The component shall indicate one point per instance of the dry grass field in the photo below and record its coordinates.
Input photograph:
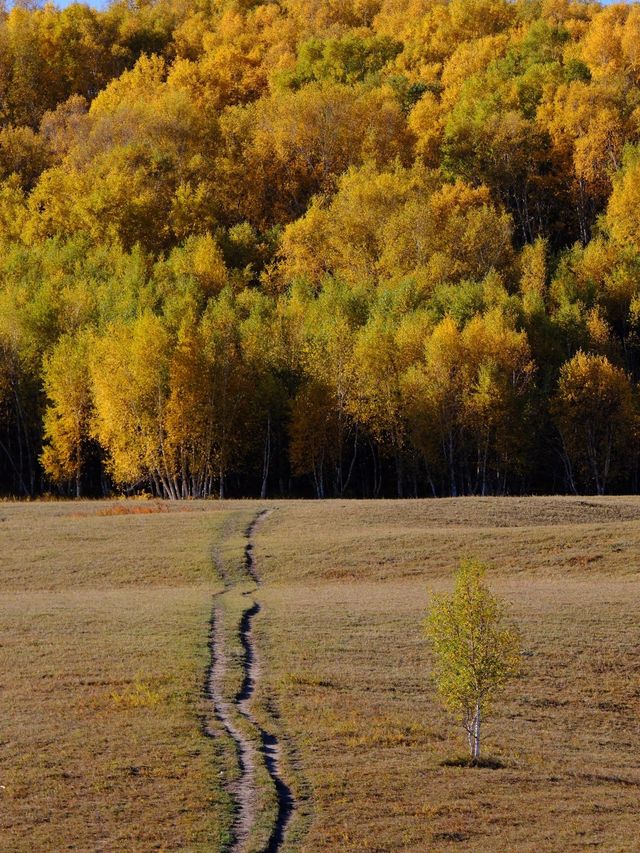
(346, 589)
(103, 643)
(103, 650)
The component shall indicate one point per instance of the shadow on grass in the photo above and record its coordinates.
(487, 763)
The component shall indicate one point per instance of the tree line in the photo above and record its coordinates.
(367, 248)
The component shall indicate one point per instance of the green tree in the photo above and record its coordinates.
(475, 651)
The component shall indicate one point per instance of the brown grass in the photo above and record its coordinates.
(134, 509)
(349, 672)
(103, 651)
(103, 654)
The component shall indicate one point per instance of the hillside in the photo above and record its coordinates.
(359, 248)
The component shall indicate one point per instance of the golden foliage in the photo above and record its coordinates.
(356, 240)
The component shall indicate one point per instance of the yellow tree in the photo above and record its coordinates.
(392, 223)
(209, 412)
(594, 411)
(433, 394)
(344, 236)
(129, 368)
(265, 365)
(623, 211)
(426, 122)
(188, 418)
(533, 276)
(476, 652)
(68, 413)
(377, 401)
(138, 169)
(228, 382)
(322, 424)
(314, 433)
(589, 124)
(501, 372)
(455, 233)
(296, 144)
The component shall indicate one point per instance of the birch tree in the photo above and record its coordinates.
(475, 651)
(129, 369)
(67, 416)
(594, 411)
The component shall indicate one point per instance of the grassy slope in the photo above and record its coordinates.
(347, 587)
(103, 648)
(103, 622)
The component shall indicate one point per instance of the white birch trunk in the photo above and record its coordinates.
(476, 734)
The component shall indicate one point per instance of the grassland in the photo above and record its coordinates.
(104, 616)
(104, 613)
(346, 590)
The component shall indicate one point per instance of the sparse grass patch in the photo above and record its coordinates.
(130, 508)
(139, 695)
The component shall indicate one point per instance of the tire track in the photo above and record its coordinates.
(270, 745)
(249, 558)
(244, 791)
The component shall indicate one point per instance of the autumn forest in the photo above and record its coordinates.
(320, 247)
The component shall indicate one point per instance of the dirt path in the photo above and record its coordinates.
(271, 748)
(244, 791)
(250, 560)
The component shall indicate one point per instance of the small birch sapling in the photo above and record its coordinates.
(475, 652)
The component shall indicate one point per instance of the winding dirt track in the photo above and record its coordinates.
(244, 791)
(270, 746)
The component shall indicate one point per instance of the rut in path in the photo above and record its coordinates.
(270, 746)
(249, 559)
(244, 791)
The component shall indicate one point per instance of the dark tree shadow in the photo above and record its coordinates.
(488, 763)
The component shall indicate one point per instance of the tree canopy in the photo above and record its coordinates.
(475, 651)
(374, 247)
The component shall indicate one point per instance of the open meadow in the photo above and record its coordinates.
(103, 652)
(132, 631)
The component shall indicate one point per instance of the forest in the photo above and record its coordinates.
(346, 248)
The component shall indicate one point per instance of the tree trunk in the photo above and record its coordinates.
(432, 485)
(475, 735)
(484, 466)
(318, 476)
(453, 491)
(377, 480)
(266, 459)
(345, 484)
(399, 474)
